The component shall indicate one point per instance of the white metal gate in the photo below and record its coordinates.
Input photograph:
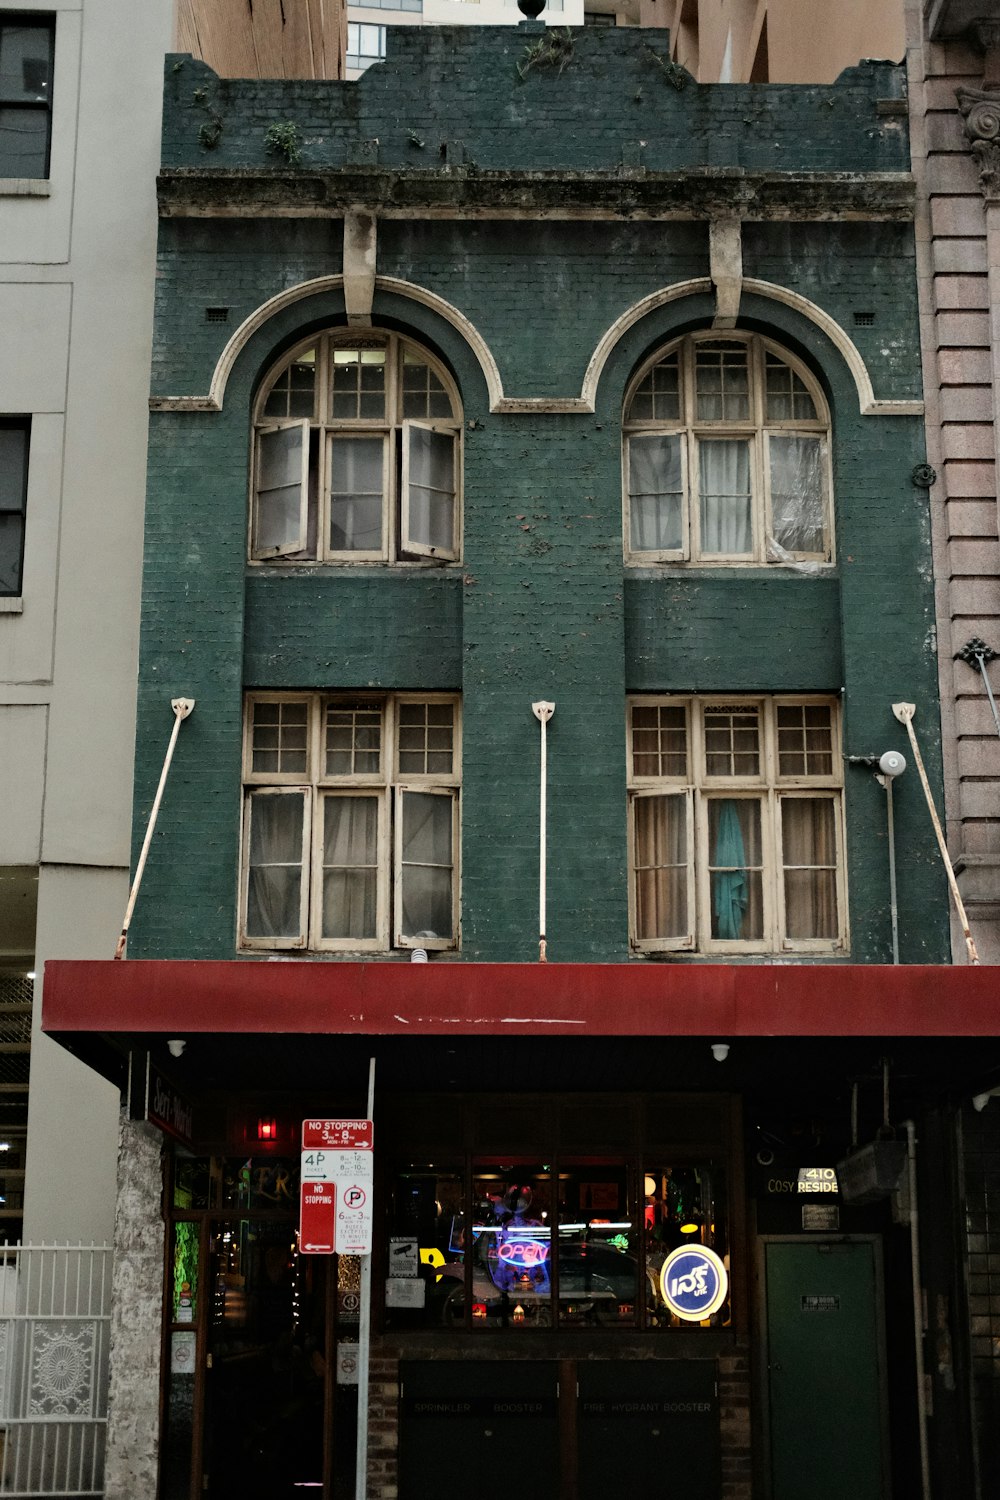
(55, 1307)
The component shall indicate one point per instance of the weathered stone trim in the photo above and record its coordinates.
(469, 193)
(725, 249)
(136, 1314)
(360, 250)
(981, 112)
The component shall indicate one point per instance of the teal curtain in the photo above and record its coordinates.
(730, 895)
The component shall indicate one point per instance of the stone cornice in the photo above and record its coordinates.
(468, 193)
(981, 112)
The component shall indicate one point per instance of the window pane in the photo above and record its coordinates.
(293, 393)
(661, 867)
(25, 63)
(274, 886)
(597, 1245)
(657, 397)
(279, 489)
(24, 142)
(356, 495)
(11, 553)
(426, 739)
(353, 739)
(427, 1204)
(734, 862)
(350, 867)
(683, 1205)
(279, 738)
(724, 482)
(424, 396)
(732, 741)
(805, 740)
(809, 848)
(659, 740)
(656, 501)
(426, 875)
(722, 382)
(432, 488)
(359, 374)
(787, 399)
(511, 1246)
(797, 492)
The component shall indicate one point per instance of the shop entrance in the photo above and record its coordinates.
(825, 1370)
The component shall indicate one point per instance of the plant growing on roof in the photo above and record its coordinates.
(673, 72)
(553, 50)
(210, 131)
(282, 139)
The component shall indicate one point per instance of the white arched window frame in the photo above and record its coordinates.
(357, 455)
(726, 456)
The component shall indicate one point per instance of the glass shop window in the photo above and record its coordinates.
(682, 1206)
(425, 1271)
(597, 1253)
(511, 1246)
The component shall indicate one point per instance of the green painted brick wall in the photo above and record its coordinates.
(540, 605)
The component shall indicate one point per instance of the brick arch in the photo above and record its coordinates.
(869, 404)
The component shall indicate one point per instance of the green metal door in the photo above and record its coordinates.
(825, 1386)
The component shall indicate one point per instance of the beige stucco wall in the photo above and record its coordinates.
(958, 247)
(76, 284)
(808, 41)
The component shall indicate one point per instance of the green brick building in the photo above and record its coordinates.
(525, 371)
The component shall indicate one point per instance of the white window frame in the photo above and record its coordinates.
(395, 547)
(263, 431)
(387, 784)
(771, 789)
(756, 429)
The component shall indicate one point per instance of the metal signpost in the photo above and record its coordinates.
(335, 1217)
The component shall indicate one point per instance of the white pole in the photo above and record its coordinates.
(893, 907)
(904, 713)
(543, 712)
(364, 1339)
(182, 708)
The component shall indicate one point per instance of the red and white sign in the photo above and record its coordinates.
(348, 1171)
(317, 1218)
(357, 1135)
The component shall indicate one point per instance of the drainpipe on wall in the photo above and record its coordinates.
(182, 708)
(918, 1307)
(543, 712)
(904, 713)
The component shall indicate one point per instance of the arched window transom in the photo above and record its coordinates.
(357, 455)
(726, 456)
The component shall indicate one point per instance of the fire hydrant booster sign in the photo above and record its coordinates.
(693, 1282)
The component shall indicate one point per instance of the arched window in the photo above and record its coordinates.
(726, 456)
(357, 454)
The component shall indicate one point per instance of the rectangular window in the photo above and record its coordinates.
(365, 44)
(26, 51)
(15, 433)
(350, 836)
(736, 825)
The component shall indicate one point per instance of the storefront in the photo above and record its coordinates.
(529, 1192)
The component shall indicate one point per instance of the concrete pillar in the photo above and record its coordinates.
(136, 1312)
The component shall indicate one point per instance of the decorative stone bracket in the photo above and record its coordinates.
(981, 112)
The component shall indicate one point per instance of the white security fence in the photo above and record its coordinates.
(55, 1311)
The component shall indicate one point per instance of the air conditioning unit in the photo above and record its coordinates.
(871, 1172)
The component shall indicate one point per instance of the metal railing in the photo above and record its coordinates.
(55, 1307)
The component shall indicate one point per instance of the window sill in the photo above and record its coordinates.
(12, 605)
(25, 187)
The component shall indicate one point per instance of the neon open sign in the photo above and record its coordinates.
(523, 1253)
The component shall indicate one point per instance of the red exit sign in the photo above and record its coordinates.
(350, 1135)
